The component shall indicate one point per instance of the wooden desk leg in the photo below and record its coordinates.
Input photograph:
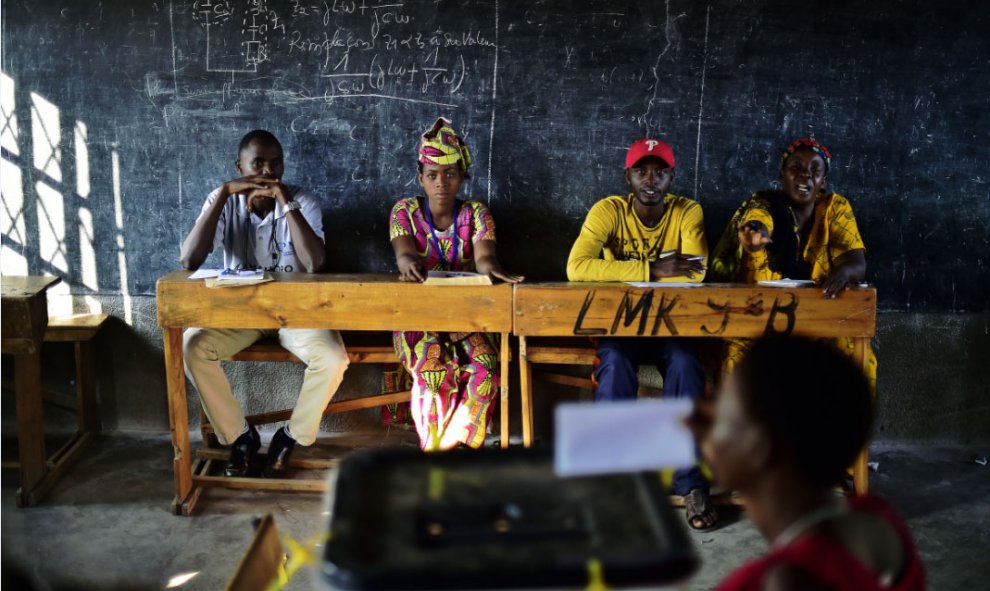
(861, 471)
(178, 416)
(526, 393)
(504, 390)
(89, 415)
(30, 425)
(210, 440)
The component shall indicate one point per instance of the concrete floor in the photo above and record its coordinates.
(107, 524)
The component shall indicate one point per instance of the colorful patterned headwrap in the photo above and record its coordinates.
(807, 143)
(441, 146)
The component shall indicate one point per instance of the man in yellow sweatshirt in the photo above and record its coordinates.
(648, 235)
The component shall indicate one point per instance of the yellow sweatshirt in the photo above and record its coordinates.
(614, 245)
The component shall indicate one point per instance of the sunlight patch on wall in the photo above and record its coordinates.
(87, 254)
(118, 209)
(8, 115)
(87, 258)
(46, 137)
(12, 262)
(80, 137)
(51, 237)
(51, 226)
(12, 218)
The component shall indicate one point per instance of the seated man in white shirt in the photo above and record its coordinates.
(259, 222)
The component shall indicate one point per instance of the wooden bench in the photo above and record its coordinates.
(568, 352)
(559, 351)
(270, 350)
(79, 330)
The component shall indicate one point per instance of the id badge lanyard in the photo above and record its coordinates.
(436, 243)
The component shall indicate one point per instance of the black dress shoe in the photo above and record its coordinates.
(242, 453)
(279, 451)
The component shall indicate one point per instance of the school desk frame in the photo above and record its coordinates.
(330, 301)
(24, 316)
(706, 311)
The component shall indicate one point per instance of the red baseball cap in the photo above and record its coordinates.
(649, 147)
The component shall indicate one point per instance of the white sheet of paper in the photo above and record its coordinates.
(787, 282)
(626, 436)
(204, 273)
(662, 284)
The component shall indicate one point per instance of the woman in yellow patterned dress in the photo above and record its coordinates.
(801, 231)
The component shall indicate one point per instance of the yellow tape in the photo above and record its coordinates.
(596, 576)
(435, 484)
(299, 555)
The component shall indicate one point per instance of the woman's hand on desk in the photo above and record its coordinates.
(486, 263)
(506, 277)
(411, 268)
(850, 268)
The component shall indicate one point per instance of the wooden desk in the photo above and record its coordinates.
(711, 310)
(297, 300)
(24, 318)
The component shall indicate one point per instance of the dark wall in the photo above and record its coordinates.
(548, 94)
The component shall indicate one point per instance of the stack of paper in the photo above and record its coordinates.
(233, 278)
(456, 278)
(663, 284)
(787, 282)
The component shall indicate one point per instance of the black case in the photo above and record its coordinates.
(496, 519)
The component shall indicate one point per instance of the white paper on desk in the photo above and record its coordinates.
(625, 436)
(656, 284)
(787, 282)
(204, 273)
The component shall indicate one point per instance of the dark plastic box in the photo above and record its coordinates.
(496, 519)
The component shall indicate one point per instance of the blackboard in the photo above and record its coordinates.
(120, 116)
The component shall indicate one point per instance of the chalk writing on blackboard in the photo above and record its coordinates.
(347, 49)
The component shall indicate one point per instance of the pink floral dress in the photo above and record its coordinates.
(455, 375)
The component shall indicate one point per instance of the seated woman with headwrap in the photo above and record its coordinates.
(798, 232)
(455, 375)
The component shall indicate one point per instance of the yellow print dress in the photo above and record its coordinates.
(833, 233)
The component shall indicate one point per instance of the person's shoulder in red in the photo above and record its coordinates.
(821, 561)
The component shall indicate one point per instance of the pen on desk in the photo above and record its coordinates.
(246, 271)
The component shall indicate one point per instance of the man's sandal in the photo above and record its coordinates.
(701, 514)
